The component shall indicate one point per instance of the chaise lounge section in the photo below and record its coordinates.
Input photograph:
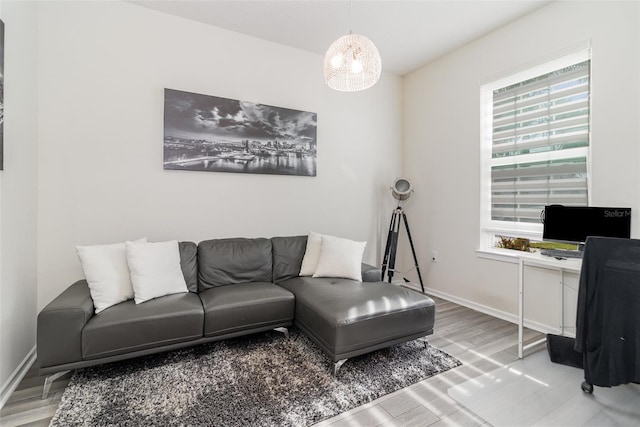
(347, 318)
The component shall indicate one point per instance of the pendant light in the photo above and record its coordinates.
(352, 63)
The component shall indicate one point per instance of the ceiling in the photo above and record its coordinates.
(408, 34)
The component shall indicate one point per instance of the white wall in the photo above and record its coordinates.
(441, 136)
(18, 192)
(102, 70)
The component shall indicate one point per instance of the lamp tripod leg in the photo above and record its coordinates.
(393, 250)
(385, 260)
(413, 251)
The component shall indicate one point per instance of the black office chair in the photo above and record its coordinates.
(608, 314)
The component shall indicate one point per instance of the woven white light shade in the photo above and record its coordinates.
(352, 63)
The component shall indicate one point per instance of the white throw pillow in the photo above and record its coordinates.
(155, 269)
(311, 254)
(340, 258)
(107, 273)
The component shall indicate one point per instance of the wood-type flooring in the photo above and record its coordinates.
(482, 342)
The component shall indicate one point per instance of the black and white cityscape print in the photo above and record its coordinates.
(209, 133)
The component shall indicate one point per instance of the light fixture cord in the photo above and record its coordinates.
(350, 12)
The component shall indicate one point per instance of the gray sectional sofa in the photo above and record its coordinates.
(236, 287)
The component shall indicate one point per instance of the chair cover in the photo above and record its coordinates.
(608, 314)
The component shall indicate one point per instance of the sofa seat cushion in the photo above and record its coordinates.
(259, 306)
(127, 327)
(347, 318)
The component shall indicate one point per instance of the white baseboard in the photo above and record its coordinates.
(16, 376)
(512, 318)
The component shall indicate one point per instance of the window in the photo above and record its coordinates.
(535, 146)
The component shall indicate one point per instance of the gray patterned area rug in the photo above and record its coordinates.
(259, 380)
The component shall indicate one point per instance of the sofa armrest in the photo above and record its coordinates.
(60, 326)
(371, 273)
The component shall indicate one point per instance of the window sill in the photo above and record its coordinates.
(504, 255)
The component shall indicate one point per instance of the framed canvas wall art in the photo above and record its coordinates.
(213, 134)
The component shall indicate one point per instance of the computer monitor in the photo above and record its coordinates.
(573, 224)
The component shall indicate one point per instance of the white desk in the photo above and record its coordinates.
(570, 265)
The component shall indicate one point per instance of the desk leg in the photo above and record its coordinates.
(520, 308)
(562, 302)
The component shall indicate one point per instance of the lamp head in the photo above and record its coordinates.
(401, 189)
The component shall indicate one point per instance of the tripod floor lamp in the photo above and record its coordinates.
(401, 190)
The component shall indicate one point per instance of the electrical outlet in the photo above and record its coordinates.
(434, 256)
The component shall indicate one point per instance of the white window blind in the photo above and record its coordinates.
(539, 144)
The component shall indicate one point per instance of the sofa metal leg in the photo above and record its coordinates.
(337, 365)
(49, 380)
(283, 330)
